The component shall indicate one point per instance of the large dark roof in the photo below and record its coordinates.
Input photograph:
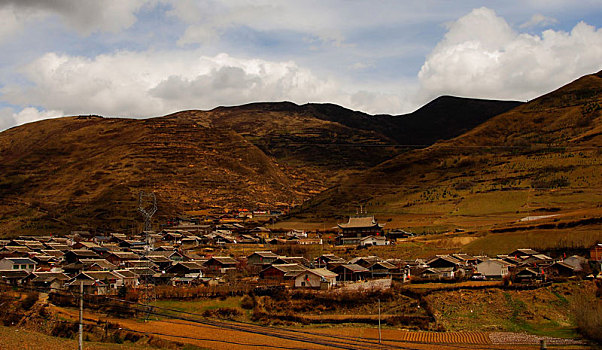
(361, 222)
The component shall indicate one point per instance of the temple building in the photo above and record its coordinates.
(357, 228)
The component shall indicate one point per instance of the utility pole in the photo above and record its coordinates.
(81, 315)
(379, 335)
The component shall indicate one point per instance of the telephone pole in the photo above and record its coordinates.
(379, 335)
(81, 315)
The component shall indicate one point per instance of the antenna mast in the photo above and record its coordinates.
(147, 212)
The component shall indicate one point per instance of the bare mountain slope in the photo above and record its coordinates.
(85, 172)
(541, 157)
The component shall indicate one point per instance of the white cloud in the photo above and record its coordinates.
(8, 117)
(85, 16)
(539, 20)
(481, 56)
(209, 19)
(9, 24)
(139, 84)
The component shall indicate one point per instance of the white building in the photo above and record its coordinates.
(18, 264)
(493, 268)
(373, 240)
(316, 278)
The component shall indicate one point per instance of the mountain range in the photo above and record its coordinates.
(441, 162)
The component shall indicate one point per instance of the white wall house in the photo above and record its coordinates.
(373, 240)
(316, 278)
(25, 264)
(493, 268)
(576, 262)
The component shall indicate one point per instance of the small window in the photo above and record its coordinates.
(15, 267)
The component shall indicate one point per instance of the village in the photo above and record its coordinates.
(182, 255)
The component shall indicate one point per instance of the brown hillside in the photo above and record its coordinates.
(540, 158)
(85, 172)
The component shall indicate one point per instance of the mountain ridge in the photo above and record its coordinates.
(85, 171)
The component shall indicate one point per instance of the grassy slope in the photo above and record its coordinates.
(546, 311)
(539, 158)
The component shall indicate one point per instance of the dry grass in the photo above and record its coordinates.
(19, 338)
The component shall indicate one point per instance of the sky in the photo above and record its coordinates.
(145, 58)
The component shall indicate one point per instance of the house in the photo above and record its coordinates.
(141, 263)
(223, 238)
(15, 250)
(84, 245)
(53, 252)
(595, 252)
(537, 259)
(97, 265)
(527, 275)
(73, 256)
(396, 234)
(561, 269)
(34, 245)
(444, 261)
(351, 272)
(221, 264)
(191, 240)
(365, 261)
(261, 258)
(523, 253)
(170, 254)
(248, 239)
(316, 278)
(292, 260)
(90, 285)
(358, 227)
(576, 261)
(130, 279)
(382, 269)
(369, 241)
(161, 261)
(58, 246)
(45, 262)
(14, 277)
(493, 268)
(174, 237)
(261, 232)
(119, 258)
(109, 278)
(465, 259)
(25, 264)
(49, 280)
(186, 269)
(308, 241)
(329, 261)
(437, 273)
(280, 273)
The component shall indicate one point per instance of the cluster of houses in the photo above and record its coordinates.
(104, 264)
(521, 265)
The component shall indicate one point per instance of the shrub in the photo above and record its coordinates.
(587, 310)
(247, 302)
(30, 299)
(223, 312)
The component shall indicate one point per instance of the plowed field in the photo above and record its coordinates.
(223, 335)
